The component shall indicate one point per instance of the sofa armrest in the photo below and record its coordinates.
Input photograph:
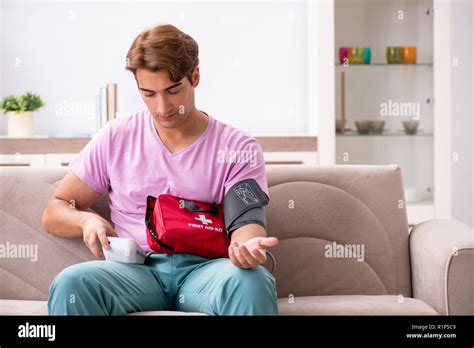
(442, 265)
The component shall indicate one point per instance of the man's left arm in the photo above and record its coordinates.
(245, 198)
(247, 232)
(248, 246)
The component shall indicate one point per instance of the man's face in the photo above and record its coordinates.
(169, 102)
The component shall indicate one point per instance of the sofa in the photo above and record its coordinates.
(345, 245)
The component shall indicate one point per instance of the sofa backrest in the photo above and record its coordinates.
(326, 217)
(24, 194)
(310, 208)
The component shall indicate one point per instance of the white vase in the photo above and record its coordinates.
(20, 125)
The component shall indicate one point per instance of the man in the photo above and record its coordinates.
(174, 148)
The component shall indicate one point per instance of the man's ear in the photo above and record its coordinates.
(195, 75)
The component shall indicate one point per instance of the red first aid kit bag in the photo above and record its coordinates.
(179, 225)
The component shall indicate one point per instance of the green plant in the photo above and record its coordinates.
(26, 102)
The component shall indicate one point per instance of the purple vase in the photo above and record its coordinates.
(343, 54)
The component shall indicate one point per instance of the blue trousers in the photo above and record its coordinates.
(180, 282)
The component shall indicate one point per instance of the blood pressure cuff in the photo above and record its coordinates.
(244, 204)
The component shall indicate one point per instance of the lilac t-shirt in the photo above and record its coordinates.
(128, 159)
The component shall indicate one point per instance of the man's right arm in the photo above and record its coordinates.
(66, 215)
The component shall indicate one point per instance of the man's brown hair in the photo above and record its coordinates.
(164, 47)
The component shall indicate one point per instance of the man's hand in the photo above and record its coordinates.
(251, 253)
(95, 231)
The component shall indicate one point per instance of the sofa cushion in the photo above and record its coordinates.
(308, 305)
(354, 305)
(25, 307)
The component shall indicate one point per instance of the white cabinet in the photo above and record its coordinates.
(23, 160)
(37, 160)
(59, 159)
(63, 159)
(291, 157)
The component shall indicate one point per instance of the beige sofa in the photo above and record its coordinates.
(344, 249)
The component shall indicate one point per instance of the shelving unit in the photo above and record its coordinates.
(370, 90)
(352, 66)
(353, 133)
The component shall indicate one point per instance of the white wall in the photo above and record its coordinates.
(442, 109)
(454, 110)
(462, 111)
(321, 71)
(254, 59)
(1, 59)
